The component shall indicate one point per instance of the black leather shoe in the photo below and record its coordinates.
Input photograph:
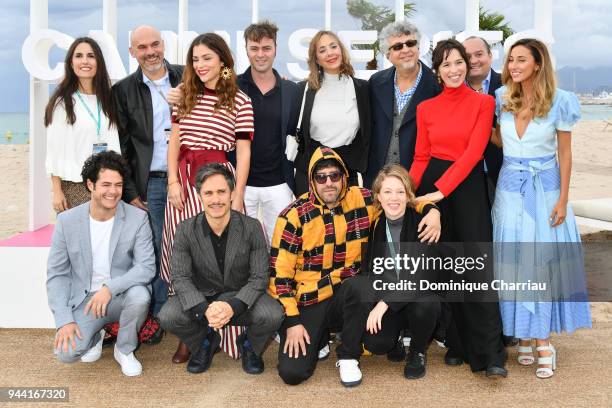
(495, 371)
(398, 353)
(251, 362)
(155, 338)
(415, 365)
(452, 358)
(200, 360)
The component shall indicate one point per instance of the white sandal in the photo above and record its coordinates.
(525, 359)
(546, 372)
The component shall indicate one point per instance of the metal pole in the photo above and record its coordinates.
(254, 11)
(183, 23)
(399, 10)
(109, 18)
(39, 206)
(472, 12)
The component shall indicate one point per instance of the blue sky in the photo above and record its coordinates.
(582, 28)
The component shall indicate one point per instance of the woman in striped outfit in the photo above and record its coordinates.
(214, 118)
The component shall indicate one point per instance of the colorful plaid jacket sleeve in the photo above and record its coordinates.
(286, 243)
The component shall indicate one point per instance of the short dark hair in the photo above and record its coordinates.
(485, 42)
(108, 160)
(256, 32)
(443, 48)
(212, 169)
(325, 163)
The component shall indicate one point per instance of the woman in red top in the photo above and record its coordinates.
(453, 130)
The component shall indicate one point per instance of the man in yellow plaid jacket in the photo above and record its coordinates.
(316, 247)
(315, 255)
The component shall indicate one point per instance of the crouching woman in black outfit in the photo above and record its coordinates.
(401, 220)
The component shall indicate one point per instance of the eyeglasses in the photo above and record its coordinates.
(398, 46)
(322, 178)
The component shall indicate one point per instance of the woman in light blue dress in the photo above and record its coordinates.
(531, 206)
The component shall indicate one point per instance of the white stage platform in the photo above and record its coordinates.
(23, 272)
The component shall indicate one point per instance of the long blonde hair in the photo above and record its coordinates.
(399, 172)
(544, 82)
(316, 72)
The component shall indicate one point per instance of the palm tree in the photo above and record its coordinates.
(374, 17)
(492, 21)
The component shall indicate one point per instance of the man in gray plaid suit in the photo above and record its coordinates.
(219, 271)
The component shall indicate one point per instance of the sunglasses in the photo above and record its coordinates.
(322, 178)
(398, 46)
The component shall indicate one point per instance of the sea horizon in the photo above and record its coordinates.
(14, 126)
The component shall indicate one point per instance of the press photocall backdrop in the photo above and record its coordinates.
(42, 42)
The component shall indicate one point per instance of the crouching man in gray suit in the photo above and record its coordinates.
(219, 271)
(100, 264)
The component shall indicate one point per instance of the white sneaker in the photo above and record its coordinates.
(94, 353)
(324, 352)
(350, 374)
(129, 365)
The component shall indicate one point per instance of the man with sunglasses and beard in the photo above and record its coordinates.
(315, 255)
(395, 93)
(314, 259)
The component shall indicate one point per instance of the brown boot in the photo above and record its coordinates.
(182, 353)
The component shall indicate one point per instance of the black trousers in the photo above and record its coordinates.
(421, 317)
(263, 319)
(475, 328)
(345, 310)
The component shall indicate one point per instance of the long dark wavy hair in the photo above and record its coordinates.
(226, 89)
(70, 83)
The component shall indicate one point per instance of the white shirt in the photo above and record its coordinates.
(68, 146)
(334, 120)
(100, 232)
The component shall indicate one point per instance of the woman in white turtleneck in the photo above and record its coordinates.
(336, 109)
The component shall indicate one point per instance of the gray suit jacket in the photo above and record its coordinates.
(70, 263)
(194, 270)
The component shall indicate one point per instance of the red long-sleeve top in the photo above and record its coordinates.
(454, 126)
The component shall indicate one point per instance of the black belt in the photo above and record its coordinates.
(158, 174)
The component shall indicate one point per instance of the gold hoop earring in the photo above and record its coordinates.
(226, 73)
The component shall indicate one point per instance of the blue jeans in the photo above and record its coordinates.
(157, 192)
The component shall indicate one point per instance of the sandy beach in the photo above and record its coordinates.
(591, 174)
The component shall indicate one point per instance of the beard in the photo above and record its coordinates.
(408, 66)
(153, 67)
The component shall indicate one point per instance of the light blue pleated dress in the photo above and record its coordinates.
(527, 191)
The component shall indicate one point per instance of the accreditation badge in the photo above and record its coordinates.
(99, 147)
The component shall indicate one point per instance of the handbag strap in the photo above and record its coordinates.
(299, 124)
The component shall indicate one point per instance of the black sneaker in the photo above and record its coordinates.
(251, 362)
(398, 353)
(415, 365)
(201, 360)
(452, 358)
